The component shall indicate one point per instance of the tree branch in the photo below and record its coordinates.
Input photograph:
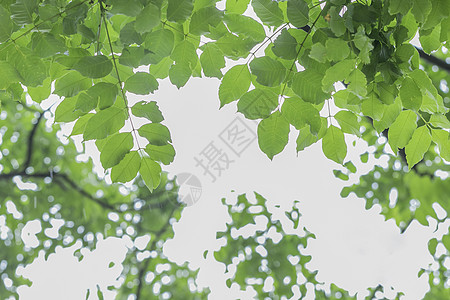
(433, 60)
(31, 143)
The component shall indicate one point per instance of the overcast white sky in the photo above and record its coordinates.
(355, 248)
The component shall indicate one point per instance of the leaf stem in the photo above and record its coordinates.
(252, 54)
(102, 12)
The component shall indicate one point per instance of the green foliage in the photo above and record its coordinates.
(85, 51)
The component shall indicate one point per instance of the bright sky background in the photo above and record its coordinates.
(355, 248)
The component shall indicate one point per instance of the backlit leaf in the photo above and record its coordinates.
(273, 134)
(104, 123)
(127, 169)
(148, 110)
(164, 153)
(268, 11)
(71, 84)
(258, 103)
(402, 129)
(141, 83)
(298, 13)
(93, 66)
(417, 146)
(299, 113)
(115, 149)
(179, 10)
(150, 172)
(234, 84)
(333, 145)
(157, 134)
(268, 71)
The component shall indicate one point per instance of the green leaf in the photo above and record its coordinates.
(85, 102)
(75, 54)
(305, 138)
(235, 83)
(115, 149)
(148, 18)
(71, 84)
(164, 153)
(298, 13)
(399, 6)
(65, 112)
(373, 107)
(132, 56)
(268, 72)
(212, 60)
(417, 146)
(185, 53)
(442, 139)
(273, 134)
(245, 27)
(308, 85)
(40, 93)
(94, 66)
(402, 129)
(150, 172)
(337, 72)
(285, 46)
(439, 120)
(8, 75)
(348, 122)
(337, 49)
(80, 125)
(364, 44)
(129, 8)
(269, 12)
(179, 10)
(202, 19)
(391, 113)
(258, 103)
(318, 52)
(160, 43)
(161, 69)
(31, 68)
(421, 10)
(141, 83)
(179, 74)
(127, 169)
(6, 26)
(334, 146)
(156, 134)
(337, 24)
(350, 166)
(46, 44)
(235, 47)
(22, 11)
(129, 36)
(299, 113)
(410, 94)
(148, 110)
(106, 93)
(236, 6)
(104, 123)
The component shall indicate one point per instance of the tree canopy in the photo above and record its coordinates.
(285, 67)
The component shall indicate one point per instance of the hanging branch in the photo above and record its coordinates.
(30, 143)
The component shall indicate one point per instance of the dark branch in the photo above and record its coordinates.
(434, 60)
(30, 144)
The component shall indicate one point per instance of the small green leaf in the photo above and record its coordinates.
(148, 110)
(337, 49)
(185, 53)
(71, 84)
(258, 103)
(179, 10)
(65, 112)
(45, 44)
(273, 134)
(106, 93)
(150, 172)
(373, 107)
(391, 112)
(22, 11)
(212, 60)
(337, 23)
(94, 66)
(350, 166)
(202, 19)
(85, 102)
(305, 138)
(268, 72)
(442, 139)
(164, 153)
(337, 72)
(245, 27)
(399, 6)
(357, 83)
(127, 169)
(348, 122)
(410, 94)
(148, 18)
(439, 120)
(179, 74)
(237, 6)
(334, 146)
(308, 85)
(104, 123)
(285, 46)
(161, 69)
(160, 43)
(40, 93)
(268, 11)
(318, 52)
(298, 13)
(115, 149)
(299, 113)
(141, 83)
(417, 146)
(235, 83)
(155, 133)
(402, 129)
(80, 125)
(129, 8)
(6, 26)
